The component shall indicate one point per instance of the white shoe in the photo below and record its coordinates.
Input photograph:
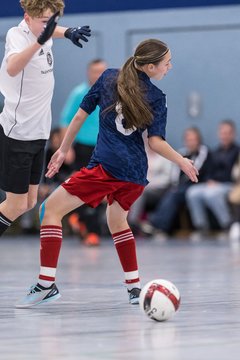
(38, 295)
(161, 236)
(147, 228)
(196, 236)
(234, 232)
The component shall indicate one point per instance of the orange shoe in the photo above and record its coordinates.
(92, 239)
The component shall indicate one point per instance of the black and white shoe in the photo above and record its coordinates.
(134, 296)
(38, 295)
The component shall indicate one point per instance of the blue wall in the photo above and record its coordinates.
(12, 8)
(205, 54)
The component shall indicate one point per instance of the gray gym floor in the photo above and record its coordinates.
(93, 319)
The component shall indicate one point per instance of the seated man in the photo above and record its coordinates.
(161, 221)
(159, 177)
(212, 194)
(234, 200)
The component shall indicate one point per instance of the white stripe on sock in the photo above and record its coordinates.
(131, 275)
(51, 232)
(120, 241)
(45, 283)
(134, 285)
(128, 236)
(122, 236)
(48, 236)
(5, 222)
(48, 271)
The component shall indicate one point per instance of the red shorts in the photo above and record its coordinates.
(93, 185)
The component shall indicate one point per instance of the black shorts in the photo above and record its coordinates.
(21, 163)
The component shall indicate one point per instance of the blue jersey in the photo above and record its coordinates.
(121, 151)
(89, 131)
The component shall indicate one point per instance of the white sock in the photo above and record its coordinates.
(45, 283)
(133, 285)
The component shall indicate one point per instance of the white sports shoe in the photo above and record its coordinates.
(37, 295)
(234, 232)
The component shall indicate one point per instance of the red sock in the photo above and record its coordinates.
(125, 244)
(51, 241)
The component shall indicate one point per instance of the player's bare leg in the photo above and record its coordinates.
(58, 204)
(116, 218)
(15, 205)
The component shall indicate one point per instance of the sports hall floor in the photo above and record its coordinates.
(93, 319)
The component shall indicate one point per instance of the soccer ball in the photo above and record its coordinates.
(159, 299)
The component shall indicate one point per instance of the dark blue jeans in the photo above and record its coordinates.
(165, 213)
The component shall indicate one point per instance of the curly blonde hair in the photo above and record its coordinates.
(36, 8)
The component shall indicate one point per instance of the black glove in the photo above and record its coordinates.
(48, 29)
(78, 33)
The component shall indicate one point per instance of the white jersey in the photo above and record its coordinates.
(27, 107)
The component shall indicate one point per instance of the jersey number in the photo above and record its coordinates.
(119, 122)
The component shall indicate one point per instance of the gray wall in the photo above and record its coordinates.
(205, 56)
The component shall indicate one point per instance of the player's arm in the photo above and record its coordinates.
(17, 62)
(161, 147)
(59, 156)
(59, 32)
(72, 130)
(75, 34)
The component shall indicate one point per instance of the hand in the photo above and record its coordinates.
(55, 163)
(187, 166)
(212, 183)
(48, 29)
(78, 33)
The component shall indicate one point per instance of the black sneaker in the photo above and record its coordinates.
(134, 296)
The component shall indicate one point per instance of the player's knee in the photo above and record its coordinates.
(110, 221)
(42, 211)
(193, 195)
(117, 226)
(20, 209)
(46, 212)
(31, 204)
(212, 198)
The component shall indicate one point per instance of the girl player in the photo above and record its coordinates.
(129, 104)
